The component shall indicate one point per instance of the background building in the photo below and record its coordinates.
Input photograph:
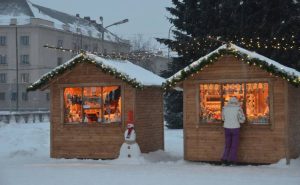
(24, 29)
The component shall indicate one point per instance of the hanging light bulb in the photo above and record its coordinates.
(241, 89)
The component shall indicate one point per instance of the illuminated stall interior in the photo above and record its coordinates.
(253, 97)
(101, 104)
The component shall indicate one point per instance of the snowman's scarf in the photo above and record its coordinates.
(129, 132)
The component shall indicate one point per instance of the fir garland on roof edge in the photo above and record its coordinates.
(272, 69)
(83, 59)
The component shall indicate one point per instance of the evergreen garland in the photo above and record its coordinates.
(272, 69)
(84, 59)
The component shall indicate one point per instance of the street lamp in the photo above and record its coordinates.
(103, 29)
(14, 23)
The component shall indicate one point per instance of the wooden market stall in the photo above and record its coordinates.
(269, 96)
(90, 101)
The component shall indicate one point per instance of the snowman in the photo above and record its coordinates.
(130, 149)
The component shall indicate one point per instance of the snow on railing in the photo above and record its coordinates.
(24, 117)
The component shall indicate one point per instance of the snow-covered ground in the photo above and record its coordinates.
(24, 160)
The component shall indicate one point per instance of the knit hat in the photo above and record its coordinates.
(233, 101)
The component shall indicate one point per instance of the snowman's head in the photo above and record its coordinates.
(130, 125)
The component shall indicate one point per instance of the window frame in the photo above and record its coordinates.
(3, 78)
(24, 40)
(83, 85)
(234, 81)
(60, 43)
(2, 96)
(25, 96)
(23, 61)
(14, 96)
(25, 78)
(3, 40)
(3, 60)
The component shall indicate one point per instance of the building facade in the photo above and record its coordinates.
(23, 57)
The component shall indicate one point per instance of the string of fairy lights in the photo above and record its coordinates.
(135, 56)
(205, 62)
(194, 44)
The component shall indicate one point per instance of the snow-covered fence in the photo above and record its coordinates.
(24, 117)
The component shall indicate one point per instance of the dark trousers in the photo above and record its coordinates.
(231, 144)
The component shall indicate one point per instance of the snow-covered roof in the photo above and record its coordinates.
(24, 11)
(250, 57)
(134, 75)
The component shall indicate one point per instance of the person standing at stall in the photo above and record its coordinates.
(232, 115)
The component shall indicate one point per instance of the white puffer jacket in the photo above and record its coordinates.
(232, 114)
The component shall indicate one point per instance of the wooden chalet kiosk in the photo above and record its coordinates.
(90, 101)
(269, 96)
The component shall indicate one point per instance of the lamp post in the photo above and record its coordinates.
(169, 33)
(17, 63)
(103, 29)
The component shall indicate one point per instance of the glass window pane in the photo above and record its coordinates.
(73, 104)
(210, 103)
(112, 104)
(233, 89)
(257, 103)
(92, 104)
(92, 97)
(92, 115)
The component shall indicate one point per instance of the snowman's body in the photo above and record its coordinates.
(130, 149)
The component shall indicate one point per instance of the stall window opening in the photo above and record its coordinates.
(101, 104)
(253, 97)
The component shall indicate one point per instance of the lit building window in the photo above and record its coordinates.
(101, 104)
(253, 97)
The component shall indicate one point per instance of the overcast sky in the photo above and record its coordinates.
(147, 17)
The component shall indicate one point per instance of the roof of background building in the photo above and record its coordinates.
(24, 10)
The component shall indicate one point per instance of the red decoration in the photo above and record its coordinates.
(130, 117)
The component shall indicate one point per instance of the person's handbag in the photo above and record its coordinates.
(241, 116)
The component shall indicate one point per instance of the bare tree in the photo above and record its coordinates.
(138, 43)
